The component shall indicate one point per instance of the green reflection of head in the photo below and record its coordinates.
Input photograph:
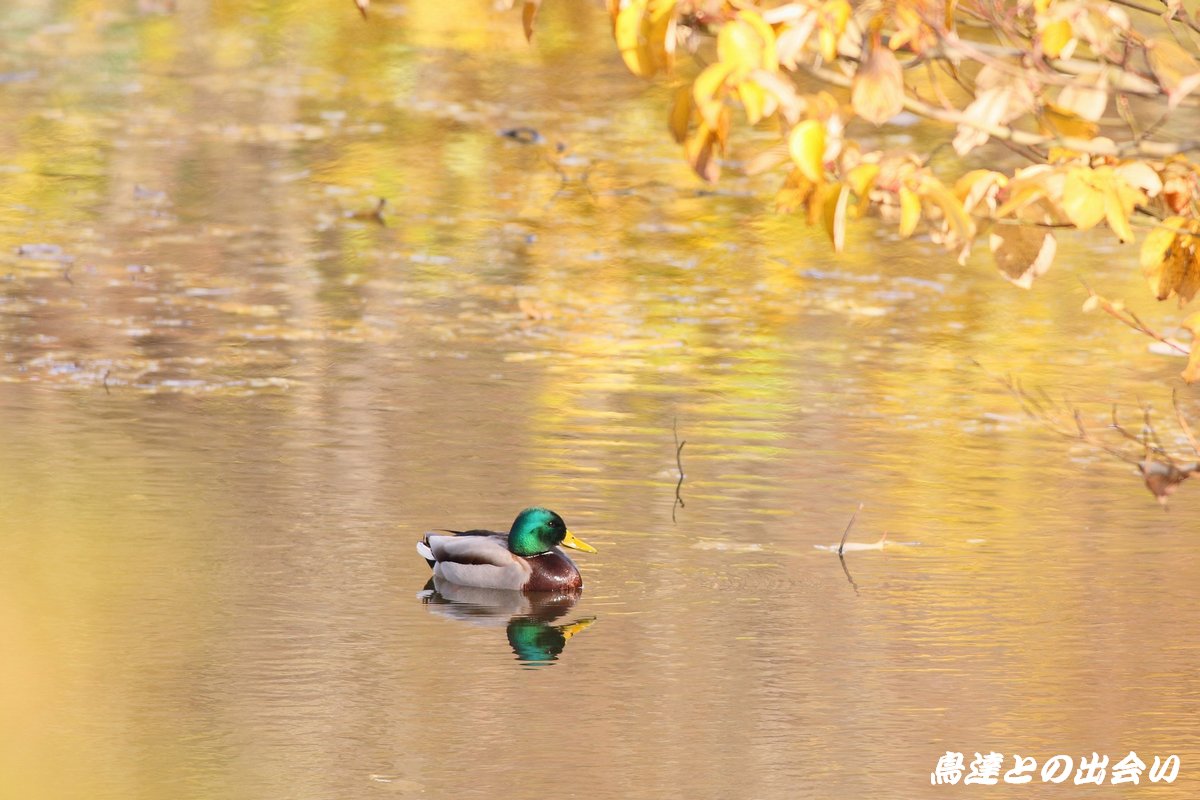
(536, 642)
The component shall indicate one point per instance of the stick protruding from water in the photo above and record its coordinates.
(849, 525)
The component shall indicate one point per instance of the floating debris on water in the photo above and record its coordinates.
(854, 547)
(727, 546)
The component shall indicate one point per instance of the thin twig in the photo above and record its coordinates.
(679, 463)
(1161, 471)
(1096, 147)
(1045, 415)
(1138, 7)
(1144, 438)
(849, 525)
(846, 570)
(1178, 15)
(1132, 320)
(1086, 436)
(1151, 435)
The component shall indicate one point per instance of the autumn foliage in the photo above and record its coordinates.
(1085, 94)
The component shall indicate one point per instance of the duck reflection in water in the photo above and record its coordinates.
(528, 617)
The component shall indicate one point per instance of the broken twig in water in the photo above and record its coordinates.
(375, 214)
(849, 525)
(846, 572)
(679, 463)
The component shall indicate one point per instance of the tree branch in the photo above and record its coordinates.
(1095, 147)
(1131, 320)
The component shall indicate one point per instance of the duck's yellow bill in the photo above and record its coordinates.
(578, 544)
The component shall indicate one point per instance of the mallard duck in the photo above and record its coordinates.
(526, 559)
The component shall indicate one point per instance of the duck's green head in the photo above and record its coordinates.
(540, 530)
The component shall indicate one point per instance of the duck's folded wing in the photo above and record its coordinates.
(477, 560)
(472, 547)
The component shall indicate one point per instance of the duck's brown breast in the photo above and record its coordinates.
(552, 571)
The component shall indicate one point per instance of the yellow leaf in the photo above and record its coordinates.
(1115, 210)
(739, 47)
(991, 107)
(1192, 372)
(878, 93)
(1189, 280)
(529, 10)
(1055, 38)
(630, 39)
(681, 113)
(861, 178)
(769, 49)
(793, 38)
(1120, 200)
(1085, 99)
(827, 43)
(1155, 249)
(1058, 121)
(961, 228)
(1141, 175)
(977, 186)
(832, 24)
(910, 211)
(768, 58)
(724, 120)
(1083, 199)
(1022, 196)
(747, 43)
(823, 105)
(1170, 261)
(658, 26)
(1175, 68)
(1022, 252)
(705, 88)
(807, 147)
(754, 100)
(796, 192)
(700, 152)
(966, 185)
(835, 216)
(1173, 267)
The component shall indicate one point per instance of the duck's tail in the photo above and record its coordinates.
(424, 552)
